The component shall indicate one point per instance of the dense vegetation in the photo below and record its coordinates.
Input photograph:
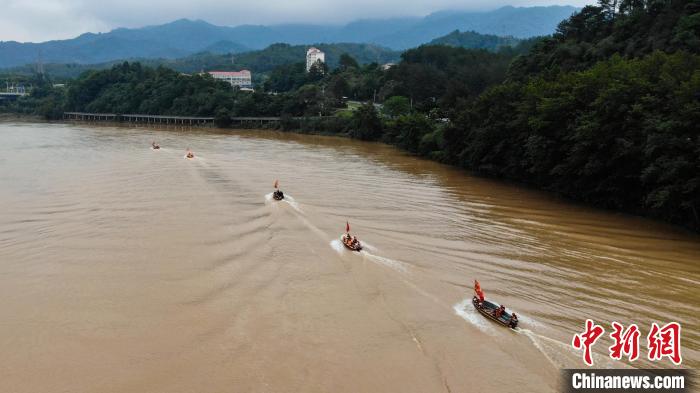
(630, 28)
(605, 111)
(474, 40)
(622, 134)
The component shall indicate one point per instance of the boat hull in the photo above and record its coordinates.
(487, 308)
(349, 247)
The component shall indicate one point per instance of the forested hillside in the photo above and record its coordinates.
(606, 111)
(474, 40)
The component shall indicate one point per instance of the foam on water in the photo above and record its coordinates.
(563, 355)
(467, 312)
(554, 351)
(392, 263)
(559, 354)
(291, 202)
(398, 266)
(337, 245)
(200, 160)
(369, 246)
(529, 321)
(288, 199)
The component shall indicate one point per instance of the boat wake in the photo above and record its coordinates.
(563, 355)
(528, 321)
(391, 263)
(398, 266)
(466, 311)
(288, 199)
(559, 354)
(338, 246)
(291, 202)
(369, 246)
(198, 159)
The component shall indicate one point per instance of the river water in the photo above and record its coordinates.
(125, 269)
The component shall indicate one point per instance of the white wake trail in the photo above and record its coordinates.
(391, 263)
(288, 199)
(466, 311)
(291, 202)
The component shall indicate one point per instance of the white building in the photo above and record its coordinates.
(312, 56)
(241, 79)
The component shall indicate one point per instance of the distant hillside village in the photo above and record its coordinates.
(243, 79)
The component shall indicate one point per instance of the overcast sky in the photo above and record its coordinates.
(41, 20)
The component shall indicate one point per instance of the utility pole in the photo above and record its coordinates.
(323, 100)
(40, 65)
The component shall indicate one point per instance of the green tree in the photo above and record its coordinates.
(223, 118)
(346, 61)
(366, 124)
(317, 71)
(396, 106)
(412, 128)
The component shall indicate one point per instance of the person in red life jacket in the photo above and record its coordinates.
(513, 320)
(499, 311)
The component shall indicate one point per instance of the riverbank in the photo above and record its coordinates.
(391, 132)
(5, 116)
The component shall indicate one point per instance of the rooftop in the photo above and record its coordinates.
(231, 73)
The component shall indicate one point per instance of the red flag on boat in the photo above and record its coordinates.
(277, 183)
(347, 226)
(478, 291)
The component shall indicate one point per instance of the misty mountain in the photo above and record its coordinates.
(185, 37)
(518, 22)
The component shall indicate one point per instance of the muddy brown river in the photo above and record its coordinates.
(124, 269)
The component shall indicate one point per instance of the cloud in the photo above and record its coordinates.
(41, 20)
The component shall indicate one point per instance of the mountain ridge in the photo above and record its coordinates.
(184, 37)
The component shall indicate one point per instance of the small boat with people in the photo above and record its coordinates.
(492, 311)
(277, 195)
(189, 154)
(155, 146)
(350, 241)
